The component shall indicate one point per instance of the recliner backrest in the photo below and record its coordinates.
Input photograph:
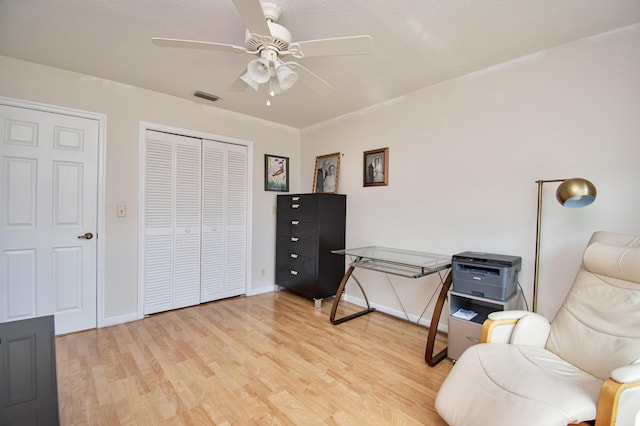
(597, 328)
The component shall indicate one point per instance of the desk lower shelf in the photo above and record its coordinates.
(464, 333)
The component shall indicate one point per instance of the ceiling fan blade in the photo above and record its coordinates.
(193, 44)
(311, 80)
(253, 16)
(356, 45)
(239, 85)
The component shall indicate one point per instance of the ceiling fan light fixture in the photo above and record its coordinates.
(250, 81)
(274, 87)
(286, 77)
(259, 71)
(269, 41)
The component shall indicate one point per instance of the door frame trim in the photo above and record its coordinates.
(144, 126)
(100, 208)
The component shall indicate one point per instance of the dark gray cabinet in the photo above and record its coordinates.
(309, 227)
(28, 386)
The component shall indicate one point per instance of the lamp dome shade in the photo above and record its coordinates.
(576, 193)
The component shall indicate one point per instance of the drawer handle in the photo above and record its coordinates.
(294, 272)
(295, 206)
(294, 239)
(293, 256)
(295, 198)
(295, 222)
(473, 339)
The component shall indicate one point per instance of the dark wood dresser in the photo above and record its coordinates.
(309, 227)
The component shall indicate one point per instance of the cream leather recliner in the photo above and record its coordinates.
(583, 365)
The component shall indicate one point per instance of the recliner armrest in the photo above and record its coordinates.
(628, 373)
(619, 401)
(516, 327)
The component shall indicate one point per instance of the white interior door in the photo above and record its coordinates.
(48, 217)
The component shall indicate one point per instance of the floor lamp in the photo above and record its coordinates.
(572, 193)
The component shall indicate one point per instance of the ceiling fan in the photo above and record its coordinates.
(272, 44)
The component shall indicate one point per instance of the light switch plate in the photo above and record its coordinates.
(121, 211)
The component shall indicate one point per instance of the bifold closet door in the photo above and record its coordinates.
(224, 220)
(172, 209)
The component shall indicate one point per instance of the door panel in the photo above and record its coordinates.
(236, 221)
(187, 223)
(172, 199)
(19, 276)
(67, 193)
(49, 172)
(224, 220)
(19, 198)
(213, 221)
(67, 278)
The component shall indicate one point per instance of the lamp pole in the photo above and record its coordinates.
(536, 264)
(572, 193)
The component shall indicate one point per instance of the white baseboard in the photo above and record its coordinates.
(261, 290)
(120, 319)
(425, 322)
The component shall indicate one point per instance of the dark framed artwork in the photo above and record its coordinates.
(276, 173)
(325, 178)
(376, 167)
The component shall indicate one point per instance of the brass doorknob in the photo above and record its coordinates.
(86, 236)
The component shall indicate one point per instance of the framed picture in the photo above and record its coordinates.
(376, 167)
(276, 173)
(326, 173)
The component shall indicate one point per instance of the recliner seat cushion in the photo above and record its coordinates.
(507, 384)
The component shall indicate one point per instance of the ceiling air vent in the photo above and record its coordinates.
(206, 96)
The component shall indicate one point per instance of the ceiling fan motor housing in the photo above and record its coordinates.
(280, 39)
(272, 11)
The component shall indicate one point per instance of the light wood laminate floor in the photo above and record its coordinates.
(259, 360)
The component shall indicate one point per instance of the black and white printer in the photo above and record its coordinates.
(487, 275)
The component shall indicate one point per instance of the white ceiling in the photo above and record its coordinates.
(416, 43)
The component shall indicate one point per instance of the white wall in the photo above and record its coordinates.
(125, 107)
(465, 155)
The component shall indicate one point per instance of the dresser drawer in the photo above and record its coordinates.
(297, 228)
(295, 272)
(295, 207)
(294, 245)
(462, 334)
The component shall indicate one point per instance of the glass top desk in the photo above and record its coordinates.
(405, 263)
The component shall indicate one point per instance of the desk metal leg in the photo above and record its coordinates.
(429, 357)
(341, 287)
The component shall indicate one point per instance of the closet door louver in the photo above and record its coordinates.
(187, 224)
(172, 176)
(236, 225)
(213, 217)
(224, 194)
(158, 225)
